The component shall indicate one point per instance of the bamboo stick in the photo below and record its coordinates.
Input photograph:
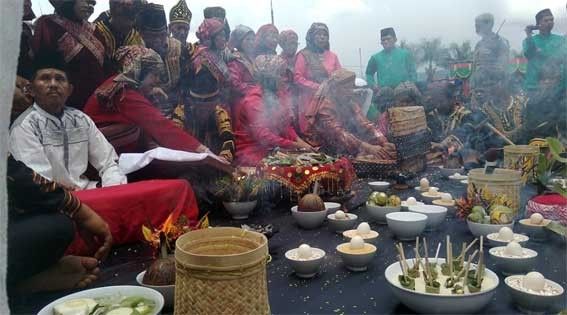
(437, 252)
(465, 280)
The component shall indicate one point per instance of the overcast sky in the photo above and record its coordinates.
(355, 24)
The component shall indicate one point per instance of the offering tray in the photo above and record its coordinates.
(297, 171)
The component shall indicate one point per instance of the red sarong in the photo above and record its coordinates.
(127, 207)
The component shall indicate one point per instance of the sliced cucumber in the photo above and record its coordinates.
(123, 311)
(132, 301)
(145, 309)
(75, 307)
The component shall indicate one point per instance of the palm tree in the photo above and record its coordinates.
(460, 53)
(430, 53)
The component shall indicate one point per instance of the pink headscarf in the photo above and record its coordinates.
(261, 35)
(208, 29)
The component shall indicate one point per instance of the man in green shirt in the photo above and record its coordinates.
(390, 67)
(545, 79)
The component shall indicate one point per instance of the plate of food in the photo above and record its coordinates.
(114, 300)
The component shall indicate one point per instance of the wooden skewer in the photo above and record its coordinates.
(404, 271)
(480, 261)
(471, 245)
(437, 252)
(462, 255)
(465, 280)
(401, 251)
(499, 133)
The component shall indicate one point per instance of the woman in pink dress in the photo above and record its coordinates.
(314, 64)
(263, 120)
(242, 66)
(266, 40)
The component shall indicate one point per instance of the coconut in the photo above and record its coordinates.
(162, 270)
(311, 202)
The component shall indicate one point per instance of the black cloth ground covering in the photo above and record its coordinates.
(335, 290)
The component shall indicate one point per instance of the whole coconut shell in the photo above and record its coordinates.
(161, 272)
(311, 203)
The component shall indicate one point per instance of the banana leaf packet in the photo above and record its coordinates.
(458, 290)
(435, 288)
(414, 272)
(474, 286)
(407, 282)
(445, 269)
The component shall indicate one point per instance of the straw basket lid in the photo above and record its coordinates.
(221, 248)
(499, 175)
(521, 149)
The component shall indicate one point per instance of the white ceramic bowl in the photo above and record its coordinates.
(308, 220)
(339, 226)
(406, 225)
(533, 303)
(425, 196)
(451, 208)
(305, 268)
(494, 241)
(405, 206)
(478, 229)
(370, 238)
(379, 186)
(240, 210)
(428, 303)
(125, 290)
(356, 261)
(536, 232)
(168, 291)
(446, 172)
(435, 215)
(378, 213)
(419, 188)
(513, 265)
(332, 207)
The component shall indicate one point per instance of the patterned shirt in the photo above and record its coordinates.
(61, 148)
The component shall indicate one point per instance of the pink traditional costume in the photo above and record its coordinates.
(313, 66)
(263, 120)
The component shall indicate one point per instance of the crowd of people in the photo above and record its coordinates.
(129, 82)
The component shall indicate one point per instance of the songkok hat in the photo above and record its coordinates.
(152, 18)
(214, 12)
(180, 13)
(218, 13)
(49, 60)
(389, 31)
(541, 14)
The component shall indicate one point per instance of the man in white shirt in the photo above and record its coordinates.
(59, 142)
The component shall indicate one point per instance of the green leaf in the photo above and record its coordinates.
(556, 148)
(542, 165)
(558, 188)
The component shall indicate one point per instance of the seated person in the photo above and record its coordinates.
(263, 120)
(122, 100)
(337, 124)
(42, 219)
(58, 143)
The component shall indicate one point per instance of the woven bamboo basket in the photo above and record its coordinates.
(502, 181)
(221, 271)
(522, 158)
(408, 127)
(405, 121)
